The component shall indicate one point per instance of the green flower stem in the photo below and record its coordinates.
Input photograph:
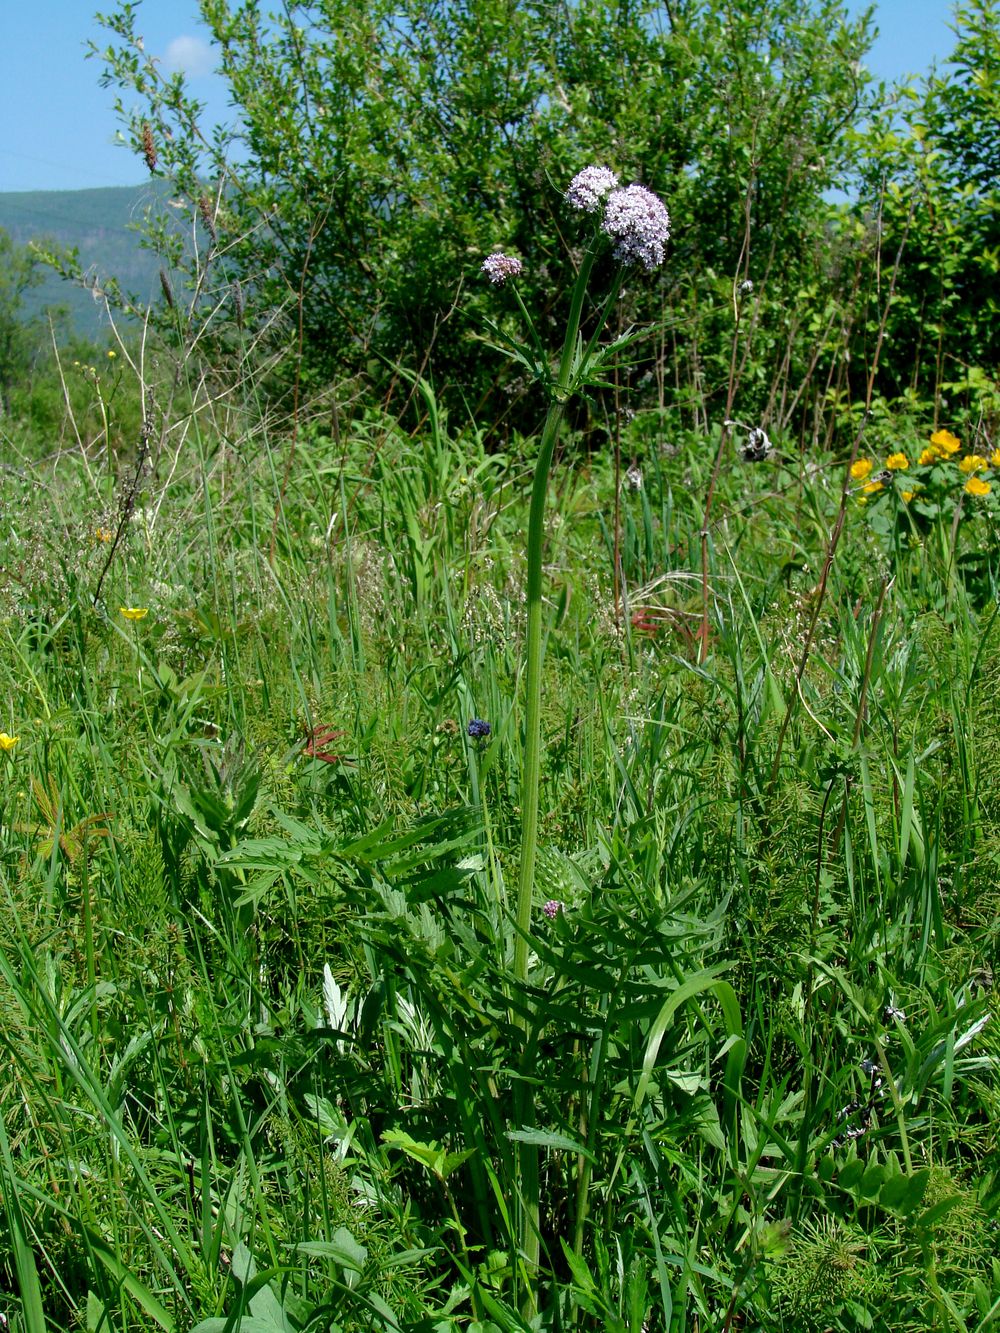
(534, 652)
(569, 374)
(609, 305)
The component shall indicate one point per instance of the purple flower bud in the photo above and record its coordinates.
(639, 225)
(498, 267)
(552, 908)
(589, 186)
(478, 730)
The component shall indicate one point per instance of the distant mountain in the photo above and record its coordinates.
(97, 223)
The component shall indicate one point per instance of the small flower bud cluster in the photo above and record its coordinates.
(208, 216)
(498, 267)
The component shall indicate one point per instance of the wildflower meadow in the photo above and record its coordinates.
(500, 752)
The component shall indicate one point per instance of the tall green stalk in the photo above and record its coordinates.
(528, 1178)
(534, 652)
(638, 224)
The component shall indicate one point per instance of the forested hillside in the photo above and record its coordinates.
(99, 225)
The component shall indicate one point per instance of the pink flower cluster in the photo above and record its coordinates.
(634, 218)
(498, 267)
(588, 188)
(639, 225)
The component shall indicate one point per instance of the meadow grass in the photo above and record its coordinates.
(271, 1018)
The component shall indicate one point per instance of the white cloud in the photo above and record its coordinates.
(193, 55)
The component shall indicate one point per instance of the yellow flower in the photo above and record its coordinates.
(897, 462)
(112, 354)
(908, 496)
(861, 468)
(102, 534)
(945, 443)
(976, 486)
(8, 742)
(995, 458)
(872, 487)
(928, 456)
(972, 463)
(134, 612)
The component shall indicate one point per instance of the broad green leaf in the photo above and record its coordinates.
(551, 1139)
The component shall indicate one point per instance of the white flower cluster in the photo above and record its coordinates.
(498, 267)
(639, 225)
(588, 188)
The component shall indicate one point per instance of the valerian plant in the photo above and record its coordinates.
(637, 225)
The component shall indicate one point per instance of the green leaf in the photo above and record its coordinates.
(32, 1310)
(708, 979)
(872, 1180)
(341, 1247)
(129, 1282)
(262, 854)
(582, 1276)
(850, 1174)
(551, 1139)
(903, 1193)
(429, 1155)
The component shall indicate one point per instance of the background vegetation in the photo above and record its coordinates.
(266, 1054)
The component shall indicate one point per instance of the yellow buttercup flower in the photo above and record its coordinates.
(102, 535)
(908, 496)
(134, 612)
(995, 458)
(861, 469)
(976, 486)
(972, 463)
(897, 462)
(946, 443)
(8, 742)
(872, 487)
(112, 354)
(928, 456)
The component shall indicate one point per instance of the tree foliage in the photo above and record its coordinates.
(931, 173)
(379, 151)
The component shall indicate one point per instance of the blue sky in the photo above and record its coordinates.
(59, 125)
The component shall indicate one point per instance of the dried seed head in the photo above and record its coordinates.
(148, 145)
(236, 293)
(207, 215)
(168, 291)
